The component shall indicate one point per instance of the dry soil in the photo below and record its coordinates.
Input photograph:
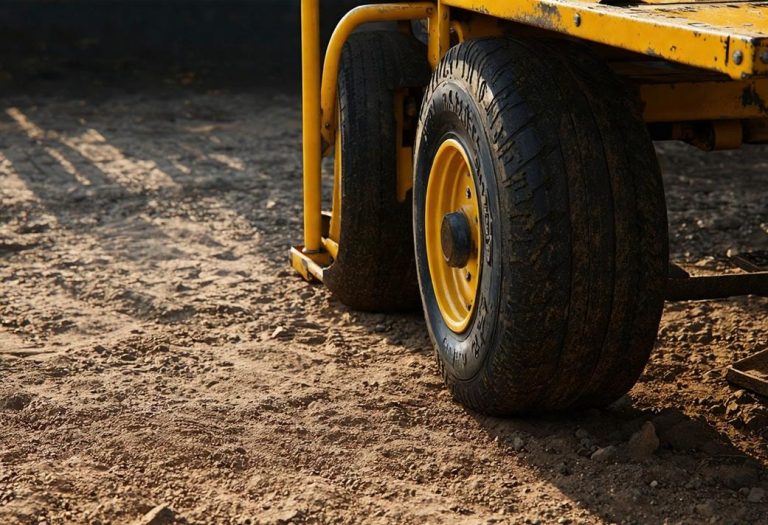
(155, 349)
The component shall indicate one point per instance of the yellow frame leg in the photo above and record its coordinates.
(310, 101)
(319, 112)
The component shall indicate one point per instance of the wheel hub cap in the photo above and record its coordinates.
(456, 239)
(452, 234)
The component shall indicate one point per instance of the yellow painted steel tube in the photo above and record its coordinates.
(353, 19)
(312, 145)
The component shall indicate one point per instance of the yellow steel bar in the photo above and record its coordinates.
(439, 34)
(729, 37)
(332, 247)
(353, 19)
(310, 100)
(712, 100)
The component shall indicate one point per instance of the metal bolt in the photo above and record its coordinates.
(577, 19)
(738, 56)
(468, 193)
(764, 57)
(468, 276)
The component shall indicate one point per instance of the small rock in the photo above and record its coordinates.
(17, 401)
(757, 420)
(742, 397)
(281, 333)
(160, 515)
(605, 454)
(707, 509)
(128, 356)
(732, 408)
(380, 328)
(666, 419)
(582, 434)
(688, 435)
(517, 443)
(653, 484)
(287, 516)
(644, 442)
(693, 483)
(756, 495)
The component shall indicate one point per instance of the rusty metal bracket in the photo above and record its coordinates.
(751, 373)
(680, 288)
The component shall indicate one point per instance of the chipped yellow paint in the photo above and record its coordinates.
(730, 38)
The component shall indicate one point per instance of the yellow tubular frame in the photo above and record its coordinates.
(310, 102)
(319, 106)
(352, 20)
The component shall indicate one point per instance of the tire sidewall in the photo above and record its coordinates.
(451, 111)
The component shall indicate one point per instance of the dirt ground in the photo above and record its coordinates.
(155, 349)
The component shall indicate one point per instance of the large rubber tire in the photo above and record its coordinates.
(573, 221)
(374, 269)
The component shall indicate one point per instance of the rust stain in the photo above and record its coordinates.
(750, 97)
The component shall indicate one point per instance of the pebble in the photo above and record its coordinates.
(160, 515)
(644, 442)
(605, 454)
(756, 495)
(687, 435)
(582, 434)
(706, 509)
(16, 402)
(667, 418)
(517, 443)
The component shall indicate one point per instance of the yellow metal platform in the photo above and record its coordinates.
(728, 37)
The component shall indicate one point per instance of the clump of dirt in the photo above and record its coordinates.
(158, 358)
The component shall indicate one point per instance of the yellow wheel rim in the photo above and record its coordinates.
(451, 191)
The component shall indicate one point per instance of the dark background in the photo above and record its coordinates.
(253, 40)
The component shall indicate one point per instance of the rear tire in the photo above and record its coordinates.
(374, 268)
(573, 227)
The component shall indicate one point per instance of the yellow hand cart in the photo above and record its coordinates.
(493, 161)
